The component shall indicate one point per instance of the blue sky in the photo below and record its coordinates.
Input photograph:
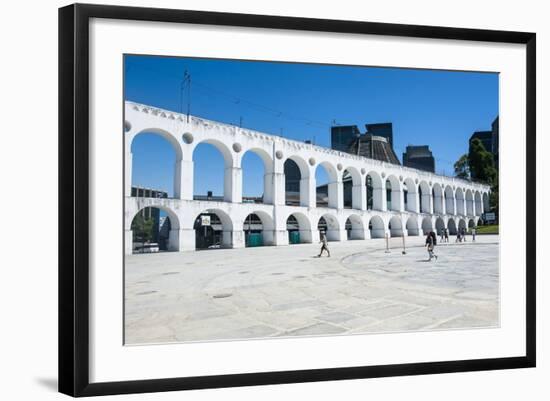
(300, 101)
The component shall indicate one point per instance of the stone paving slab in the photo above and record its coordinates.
(285, 291)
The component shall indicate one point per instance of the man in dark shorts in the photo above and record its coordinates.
(324, 246)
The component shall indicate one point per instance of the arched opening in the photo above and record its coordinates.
(354, 227)
(412, 226)
(439, 226)
(449, 200)
(212, 157)
(258, 229)
(253, 231)
(351, 182)
(299, 229)
(478, 204)
(410, 195)
(427, 225)
(471, 223)
(326, 185)
(393, 193)
(256, 166)
(376, 227)
(462, 224)
(347, 184)
(214, 230)
(374, 191)
(155, 156)
(460, 202)
(395, 226)
(469, 203)
(155, 230)
(328, 224)
(451, 226)
(437, 193)
(296, 182)
(424, 196)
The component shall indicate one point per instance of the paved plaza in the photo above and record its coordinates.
(287, 291)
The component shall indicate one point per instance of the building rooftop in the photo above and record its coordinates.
(374, 147)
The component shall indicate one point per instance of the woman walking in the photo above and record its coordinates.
(431, 240)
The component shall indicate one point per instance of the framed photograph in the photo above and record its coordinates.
(251, 199)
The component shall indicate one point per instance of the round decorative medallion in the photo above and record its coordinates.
(187, 138)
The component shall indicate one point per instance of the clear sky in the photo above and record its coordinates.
(300, 101)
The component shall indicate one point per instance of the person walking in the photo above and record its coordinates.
(463, 235)
(446, 231)
(324, 246)
(430, 244)
(442, 235)
(473, 234)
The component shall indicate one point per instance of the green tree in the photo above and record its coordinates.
(142, 228)
(478, 164)
(462, 167)
(481, 163)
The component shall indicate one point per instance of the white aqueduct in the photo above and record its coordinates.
(433, 201)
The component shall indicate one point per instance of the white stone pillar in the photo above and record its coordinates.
(413, 201)
(455, 212)
(336, 194)
(183, 179)
(359, 197)
(379, 198)
(308, 192)
(233, 182)
(181, 240)
(461, 206)
(437, 204)
(128, 174)
(233, 239)
(280, 237)
(309, 236)
(269, 188)
(427, 205)
(397, 197)
(128, 242)
(277, 181)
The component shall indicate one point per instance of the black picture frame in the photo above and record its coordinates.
(74, 199)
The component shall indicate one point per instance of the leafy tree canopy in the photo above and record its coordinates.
(462, 168)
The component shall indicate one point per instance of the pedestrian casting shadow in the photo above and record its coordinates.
(47, 382)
